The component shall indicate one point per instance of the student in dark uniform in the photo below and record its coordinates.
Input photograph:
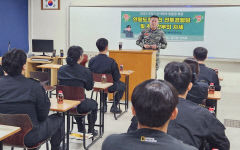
(194, 125)
(102, 64)
(206, 74)
(20, 95)
(1, 71)
(154, 104)
(74, 74)
(199, 91)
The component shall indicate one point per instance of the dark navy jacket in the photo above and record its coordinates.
(209, 75)
(102, 64)
(20, 95)
(144, 139)
(1, 71)
(195, 125)
(198, 93)
(75, 75)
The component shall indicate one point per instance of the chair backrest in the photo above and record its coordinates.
(98, 77)
(41, 76)
(71, 92)
(19, 120)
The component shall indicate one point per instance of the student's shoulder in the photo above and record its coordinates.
(200, 86)
(112, 60)
(64, 68)
(115, 139)
(179, 145)
(202, 112)
(199, 111)
(34, 82)
(117, 136)
(93, 58)
(210, 70)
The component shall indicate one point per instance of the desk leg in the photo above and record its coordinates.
(1, 145)
(101, 121)
(127, 91)
(101, 113)
(63, 142)
(216, 107)
(68, 129)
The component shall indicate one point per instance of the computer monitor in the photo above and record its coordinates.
(42, 46)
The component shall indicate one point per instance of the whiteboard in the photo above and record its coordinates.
(221, 35)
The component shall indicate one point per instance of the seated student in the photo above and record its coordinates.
(20, 95)
(154, 104)
(194, 125)
(199, 91)
(206, 74)
(74, 74)
(102, 64)
(1, 71)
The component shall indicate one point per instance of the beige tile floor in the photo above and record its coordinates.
(228, 106)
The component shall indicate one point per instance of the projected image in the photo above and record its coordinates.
(128, 31)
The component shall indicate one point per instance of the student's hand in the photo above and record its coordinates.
(154, 46)
(146, 46)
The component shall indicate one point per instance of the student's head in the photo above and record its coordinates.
(179, 75)
(200, 53)
(102, 44)
(194, 67)
(154, 103)
(154, 22)
(74, 55)
(13, 62)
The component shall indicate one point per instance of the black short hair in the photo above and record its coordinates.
(193, 64)
(154, 16)
(200, 53)
(129, 26)
(154, 101)
(179, 75)
(101, 44)
(73, 55)
(13, 61)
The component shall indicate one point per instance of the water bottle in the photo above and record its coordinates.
(121, 67)
(60, 97)
(104, 78)
(211, 88)
(211, 109)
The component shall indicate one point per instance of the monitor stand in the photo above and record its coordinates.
(43, 54)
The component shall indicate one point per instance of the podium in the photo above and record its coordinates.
(142, 62)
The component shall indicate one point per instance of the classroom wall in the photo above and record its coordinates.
(52, 24)
(13, 25)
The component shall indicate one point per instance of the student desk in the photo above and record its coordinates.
(6, 131)
(53, 68)
(64, 108)
(215, 97)
(126, 74)
(101, 87)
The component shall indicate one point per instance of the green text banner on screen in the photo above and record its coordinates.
(177, 25)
